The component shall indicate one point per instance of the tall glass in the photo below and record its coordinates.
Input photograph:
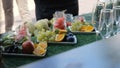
(106, 19)
(108, 3)
(95, 17)
(116, 10)
(116, 2)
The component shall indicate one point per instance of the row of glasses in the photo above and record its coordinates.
(103, 19)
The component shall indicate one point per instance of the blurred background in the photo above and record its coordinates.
(85, 6)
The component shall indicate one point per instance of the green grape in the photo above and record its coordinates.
(39, 38)
(43, 30)
(51, 39)
(76, 26)
(48, 33)
(45, 38)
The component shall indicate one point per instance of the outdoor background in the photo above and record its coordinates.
(85, 6)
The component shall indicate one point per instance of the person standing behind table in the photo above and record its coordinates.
(46, 8)
(8, 10)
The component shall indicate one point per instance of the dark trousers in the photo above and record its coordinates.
(44, 10)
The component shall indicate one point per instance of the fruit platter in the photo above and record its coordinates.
(10, 47)
(81, 26)
(32, 39)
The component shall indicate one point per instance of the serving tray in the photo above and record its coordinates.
(80, 32)
(20, 54)
(64, 42)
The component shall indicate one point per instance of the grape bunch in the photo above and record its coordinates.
(76, 26)
(46, 35)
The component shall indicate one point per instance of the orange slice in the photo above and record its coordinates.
(62, 31)
(59, 37)
(39, 51)
(87, 28)
(43, 44)
(35, 45)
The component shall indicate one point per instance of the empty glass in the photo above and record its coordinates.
(108, 3)
(116, 2)
(116, 10)
(106, 20)
(95, 17)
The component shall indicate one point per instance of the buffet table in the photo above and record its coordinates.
(101, 54)
(15, 61)
(53, 49)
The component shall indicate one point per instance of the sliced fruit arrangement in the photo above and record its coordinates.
(87, 28)
(65, 36)
(32, 38)
(81, 25)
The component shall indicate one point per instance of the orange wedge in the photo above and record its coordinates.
(43, 44)
(35, 45)
(87, 28)
(39, 51)
(59, 37)
(62, 31)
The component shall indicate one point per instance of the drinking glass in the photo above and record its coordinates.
(116, 11)
(108, 3)
(95, 17)
(116, 2)
(106, 20)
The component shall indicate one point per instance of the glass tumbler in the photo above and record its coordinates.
(95, 17)
(106, 20)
